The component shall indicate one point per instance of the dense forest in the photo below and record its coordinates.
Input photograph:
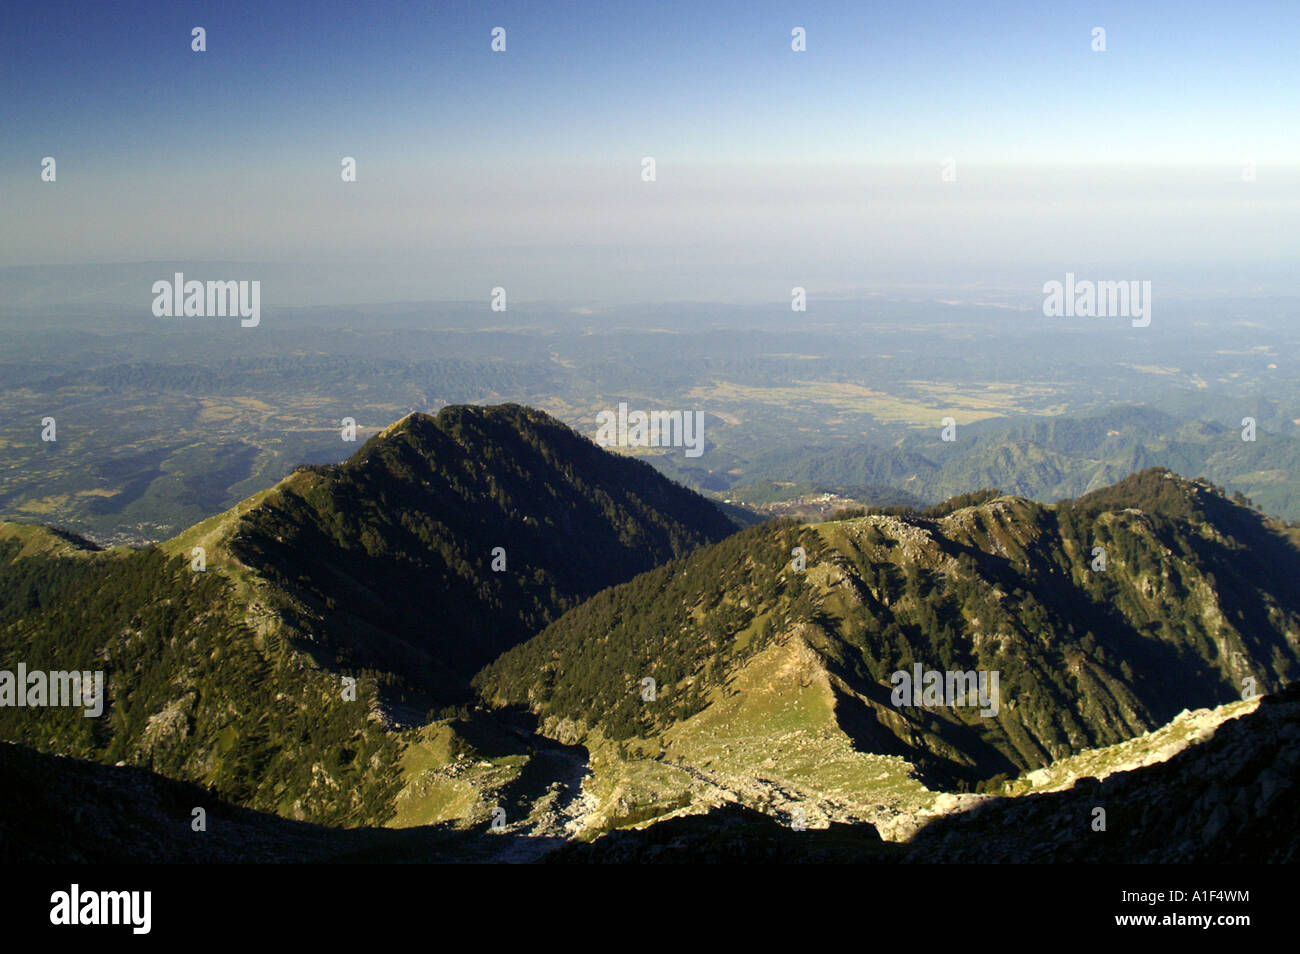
(683, 625)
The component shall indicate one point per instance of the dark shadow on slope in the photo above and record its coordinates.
(732, 834)
(982, 760)
(61, 810)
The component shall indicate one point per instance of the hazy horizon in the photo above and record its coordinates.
(946, 149)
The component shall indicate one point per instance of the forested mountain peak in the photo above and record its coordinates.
(448, 538)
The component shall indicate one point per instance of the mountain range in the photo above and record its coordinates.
(482, 625)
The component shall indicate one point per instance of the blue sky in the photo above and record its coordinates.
(475, 167)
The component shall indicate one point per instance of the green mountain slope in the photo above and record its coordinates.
(194, 688)
(773, 686)
(378, 569)
(1043, 459)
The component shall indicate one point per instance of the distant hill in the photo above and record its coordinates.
(1044, 459)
